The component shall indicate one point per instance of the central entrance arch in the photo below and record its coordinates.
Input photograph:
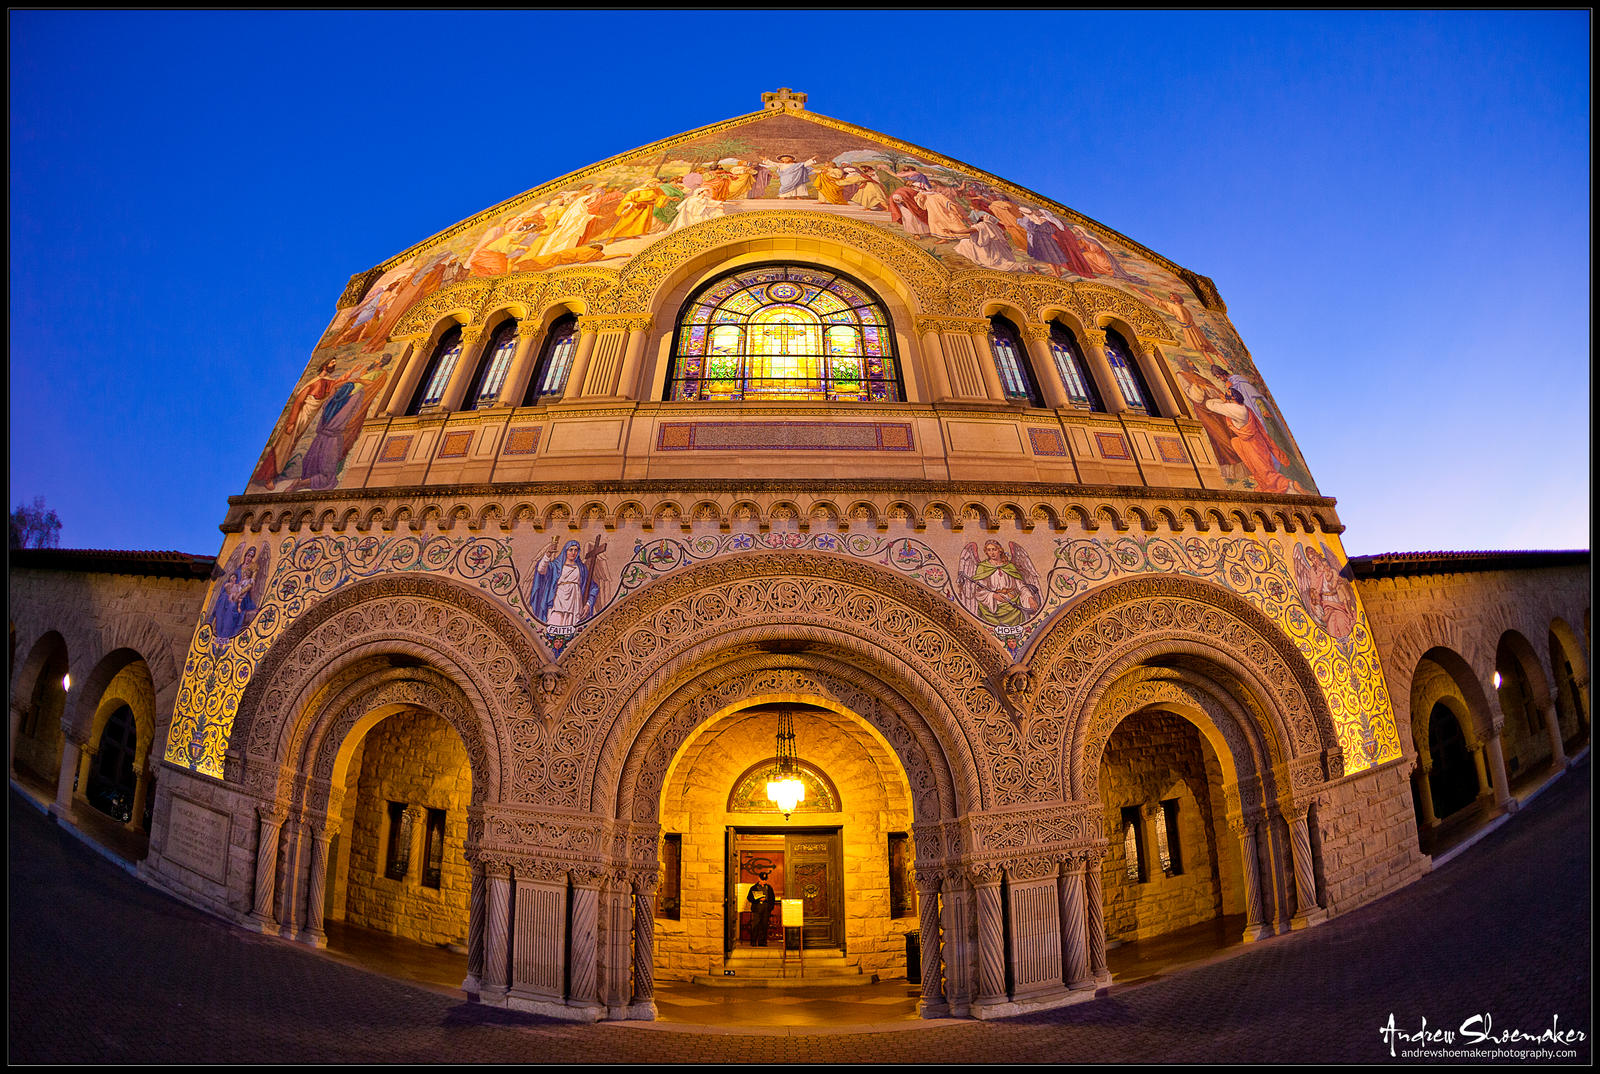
(840, 859)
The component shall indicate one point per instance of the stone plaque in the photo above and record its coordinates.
(197, 839)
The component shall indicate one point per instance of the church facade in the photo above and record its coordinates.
(784, 422)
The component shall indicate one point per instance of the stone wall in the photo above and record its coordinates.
(1367, 836)
(874, 802)
(414, 758)
(1151, 758)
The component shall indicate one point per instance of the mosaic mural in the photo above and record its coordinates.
(607, 213)
(1013, 588)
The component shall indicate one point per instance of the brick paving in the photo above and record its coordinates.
(104, 969)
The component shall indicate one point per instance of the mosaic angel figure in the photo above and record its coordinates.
(1003, 589)
(1325, 590)
(239, 590)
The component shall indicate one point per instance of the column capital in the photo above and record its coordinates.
(985, 874)
(273, 814)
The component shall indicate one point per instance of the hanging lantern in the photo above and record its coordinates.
(786, 791)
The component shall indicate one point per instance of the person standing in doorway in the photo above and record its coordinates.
(761, 899)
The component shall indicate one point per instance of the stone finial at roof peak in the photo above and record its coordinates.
(784, 100)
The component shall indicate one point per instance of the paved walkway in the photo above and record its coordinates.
(104, 969)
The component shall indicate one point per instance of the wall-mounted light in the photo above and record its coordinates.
(66, 683)
(1497, 680)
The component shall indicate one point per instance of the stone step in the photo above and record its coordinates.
(765, 968)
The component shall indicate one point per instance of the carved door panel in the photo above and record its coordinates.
(815, 877)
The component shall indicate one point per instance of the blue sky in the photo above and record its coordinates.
(1395, 207)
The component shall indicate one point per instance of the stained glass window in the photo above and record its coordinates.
(1135, 392)
(492, 369)
(784, 332)
(555, 361)
(1074, 371)
(1011, 362)
(437, 375)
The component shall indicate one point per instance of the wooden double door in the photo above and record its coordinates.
(804, 864)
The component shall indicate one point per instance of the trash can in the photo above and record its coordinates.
(914, 957)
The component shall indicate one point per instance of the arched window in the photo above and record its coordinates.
(555, 360)
(430, 389)
(492, 367)
(1135, 392)
(1075, 378)
(784, 332)
(1011, 361)
(111, 779)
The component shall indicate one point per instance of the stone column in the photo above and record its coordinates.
(522, 363)
(986, 880)
(1497, 772)
(644, 950)
(616, 936)
(67, 775)
(938, 380)
(956, 914)
(993, 388)
(1306, 910)
(1552, 729)
(1155, 376)
(1037, 338)
(86, 755)
(1255, 917)
(1094, 353)
(580, 360)
(17, 712)
(455, 389)
(497, 929)
(933, 1003)
(261, 915)
(292, 839)
(585, 916)
(476, 900)
(1425, 795)
(633, 353)
(410, 374)
(1485, 788)
(141, 792)
(316, 889)
(1074, 924)
(1094, 901)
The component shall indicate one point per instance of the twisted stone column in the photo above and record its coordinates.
(317, 887)
(261, 915)
(1255, 919)
(476, 898)
(1094, 903)
(497, 929)
(1306, 910)
(292, 840)
(986, 880)
(585, 915)
(644, 950)
(933, 1000)
(1074, 924)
